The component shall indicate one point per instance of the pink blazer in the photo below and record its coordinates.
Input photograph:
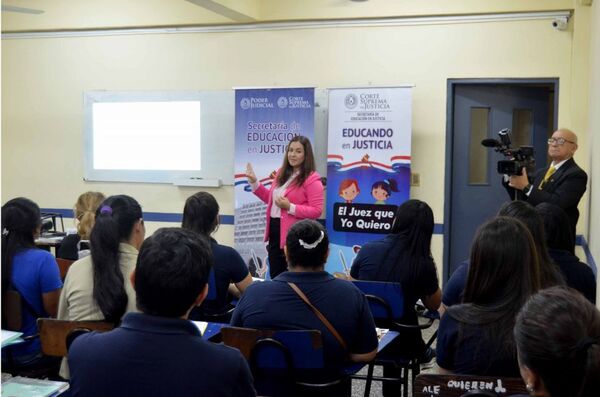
(308, 199)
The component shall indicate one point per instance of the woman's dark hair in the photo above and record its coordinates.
(200, 214)
(549, 273)
(308, 166)
(307, 244)
(558, 338)
(115, 219)
(412, 229)
(503, 274)
(559, 235)
(20, 221)
(389, 185)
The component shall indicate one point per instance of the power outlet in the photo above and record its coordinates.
(415, 179)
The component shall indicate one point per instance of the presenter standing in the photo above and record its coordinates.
(295, 194)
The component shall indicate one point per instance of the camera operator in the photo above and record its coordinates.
(562, 183)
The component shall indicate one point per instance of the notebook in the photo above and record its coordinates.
(19, 386)
(10, 337)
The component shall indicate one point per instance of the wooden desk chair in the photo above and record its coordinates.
(284, 362)
(63, 266)
(386, 301)
(428, 385)
(57, 335)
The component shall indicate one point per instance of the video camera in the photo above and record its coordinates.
(519, 158)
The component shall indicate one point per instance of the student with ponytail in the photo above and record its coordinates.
(557, 333)
(97, 287)
(85, 216)
(30, 271)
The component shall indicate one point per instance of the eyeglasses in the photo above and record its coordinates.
(558, 141)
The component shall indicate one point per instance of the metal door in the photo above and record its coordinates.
(476, 192)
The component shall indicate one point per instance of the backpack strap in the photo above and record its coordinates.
(320, 315)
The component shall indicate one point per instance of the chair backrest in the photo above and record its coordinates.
(63, 266)
(12, 316)
(427, 385)
(386, 300)
(274, 349)
(54, 333)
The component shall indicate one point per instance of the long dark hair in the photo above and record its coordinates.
(503, 274)
(558, 338)
(549, 273)
(20, 220)
(115, 219)
(308, 166)
(412, 230)
(200, 214)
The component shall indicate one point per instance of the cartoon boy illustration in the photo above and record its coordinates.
(382, 190)
(349, 189)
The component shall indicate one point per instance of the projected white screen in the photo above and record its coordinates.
(146, 136)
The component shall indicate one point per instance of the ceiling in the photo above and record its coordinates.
(103, 14)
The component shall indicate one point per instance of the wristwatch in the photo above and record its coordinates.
(527, 188)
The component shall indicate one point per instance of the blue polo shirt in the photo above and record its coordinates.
(455, 286)
(467, 350)
(274, 305)
(33, 272)
(369, 265)
(229, 267)
(156, 356)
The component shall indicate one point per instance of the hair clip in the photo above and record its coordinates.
(387, 181)
(106, 210)
(5, 232)
(313, 245)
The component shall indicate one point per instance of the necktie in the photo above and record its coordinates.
(549, 173)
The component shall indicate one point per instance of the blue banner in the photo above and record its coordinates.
(368, 167)
(265, 121)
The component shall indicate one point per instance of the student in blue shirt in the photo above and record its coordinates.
(201, 215)
(32, 272)
(275, 305)
(475, 337)
(158, 352)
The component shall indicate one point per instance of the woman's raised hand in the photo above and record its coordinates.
(250, 173)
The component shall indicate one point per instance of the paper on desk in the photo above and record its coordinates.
(381, 332)
(201, 325)
(9, 337)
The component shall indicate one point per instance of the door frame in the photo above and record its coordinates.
(451, 86)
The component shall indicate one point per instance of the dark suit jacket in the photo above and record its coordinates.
(565, 188)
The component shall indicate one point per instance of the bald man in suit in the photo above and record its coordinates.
(562, 183)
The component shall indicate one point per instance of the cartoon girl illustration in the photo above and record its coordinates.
(382, 190)
(349, 189)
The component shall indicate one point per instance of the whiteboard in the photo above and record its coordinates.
(217, 136)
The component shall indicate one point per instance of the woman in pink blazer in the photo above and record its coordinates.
(296, 194)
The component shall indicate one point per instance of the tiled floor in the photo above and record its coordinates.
(358, 386)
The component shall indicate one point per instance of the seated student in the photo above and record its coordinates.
(275, 305)
(32, 272)
(85, 215)
(96, 286)
(475, 337)
(404, 257)
(201, 215)
(558, 339)
(560, 241)
(549, 272)
(158, 352)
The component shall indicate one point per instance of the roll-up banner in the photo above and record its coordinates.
(368, 167)
(265, 121)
